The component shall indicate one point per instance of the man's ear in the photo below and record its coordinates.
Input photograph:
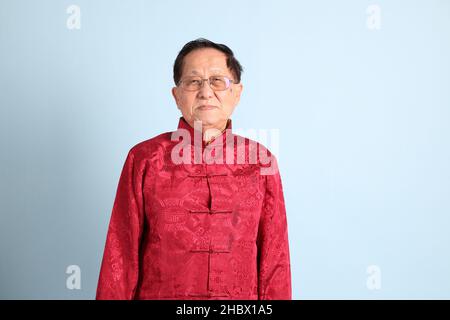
(174, 94)
(237, 92)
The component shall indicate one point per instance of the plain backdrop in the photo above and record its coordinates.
(362, 113)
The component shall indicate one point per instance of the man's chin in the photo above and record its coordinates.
(208, 119)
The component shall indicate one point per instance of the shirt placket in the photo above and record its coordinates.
(214, 279)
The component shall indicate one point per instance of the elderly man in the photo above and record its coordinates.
(198, 213)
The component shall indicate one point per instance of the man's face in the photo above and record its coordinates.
(205, 63)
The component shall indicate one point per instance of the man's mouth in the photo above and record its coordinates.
(207, 107)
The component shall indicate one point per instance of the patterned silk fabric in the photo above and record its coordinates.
(197, 229)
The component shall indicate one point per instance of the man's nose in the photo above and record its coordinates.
(205, 90)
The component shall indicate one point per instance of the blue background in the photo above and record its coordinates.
(363, 117)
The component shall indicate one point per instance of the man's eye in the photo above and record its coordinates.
(217, 79)
(194, 82)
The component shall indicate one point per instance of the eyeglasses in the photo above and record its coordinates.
(195, 83)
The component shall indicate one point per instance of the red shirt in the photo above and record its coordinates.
(190, 230)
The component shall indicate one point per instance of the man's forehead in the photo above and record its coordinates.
(209, 59)
(198, 71)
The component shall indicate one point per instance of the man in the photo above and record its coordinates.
(198, 214)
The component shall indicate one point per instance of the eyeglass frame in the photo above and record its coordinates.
(230, 81)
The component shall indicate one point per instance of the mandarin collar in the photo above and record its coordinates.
(183, 124)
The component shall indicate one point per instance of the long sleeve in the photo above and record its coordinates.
(119, 270)
(274, 271)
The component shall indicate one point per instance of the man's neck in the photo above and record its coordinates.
(213, 132)
(209, 132)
